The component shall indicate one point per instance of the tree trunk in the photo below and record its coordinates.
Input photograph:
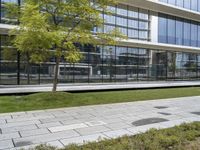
(55, 81)
(28, 72)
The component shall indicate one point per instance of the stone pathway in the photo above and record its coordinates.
(59, 127)
(78, 87)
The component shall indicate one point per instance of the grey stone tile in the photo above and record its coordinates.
(92, 130)
(118, 125)
(6, 144)
(45, 138)
(84, 139)
(27, 118)
(9, 136)
(18, 128)
(3, 117)
(2, 121)
(56, 119)
(34, 132)
(67, 127)
(47, 125)
(71, 121)
(15, 124)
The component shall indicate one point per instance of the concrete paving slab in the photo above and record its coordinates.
(6, 144)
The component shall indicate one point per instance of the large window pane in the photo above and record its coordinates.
(173, 2)
(194, 4)
(179, 3)
(179, 32)
(162, 29)
(171, 30)
(187, 4)
(186, 34)
(133, 12)
(194, 34)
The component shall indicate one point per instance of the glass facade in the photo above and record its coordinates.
(175, 30)
(114, 63)
(187, 4)
(131, 21)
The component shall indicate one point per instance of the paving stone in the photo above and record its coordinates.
(119, 125)
(9, 136)
(68, 127)
(3, 117)
(2, 121)
(28, 119)
(117, 133)
(51, 124)
(34, 132)
(45, 138)
(56, 119)
(95, 123)
(18, 128)
(15, 124)
(71, 121)
(6, 144)
(92, 130)
(84, 139)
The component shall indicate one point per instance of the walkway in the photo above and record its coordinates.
(78, 87)
(60, 127)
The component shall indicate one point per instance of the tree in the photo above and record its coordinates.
(46, 25)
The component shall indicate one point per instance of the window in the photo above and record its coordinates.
(171, 30)
(143, 34)
(133, 12)
(132, 23)
(187, 4)
(180, 3)
(122, 10)
(143, 14)
(194, 5)
(109, 19)
(173, 2)
(133, 33)
(194, 34)
(162, 29)
(143, 25)
(121, 21)
(198, 35)
(186, 34)
(179, 32)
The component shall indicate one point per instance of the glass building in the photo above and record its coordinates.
(161, 45)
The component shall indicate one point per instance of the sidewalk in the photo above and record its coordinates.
(59, 127)
(80, 87)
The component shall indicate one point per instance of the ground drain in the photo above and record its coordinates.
(161, 107)
(164, 113)
(23, 143)
(148, 121)
(196, 113)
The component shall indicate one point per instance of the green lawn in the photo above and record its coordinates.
(184, 137)
(56, 100)
(60, 99)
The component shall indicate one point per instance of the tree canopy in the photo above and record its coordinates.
(49, 27)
